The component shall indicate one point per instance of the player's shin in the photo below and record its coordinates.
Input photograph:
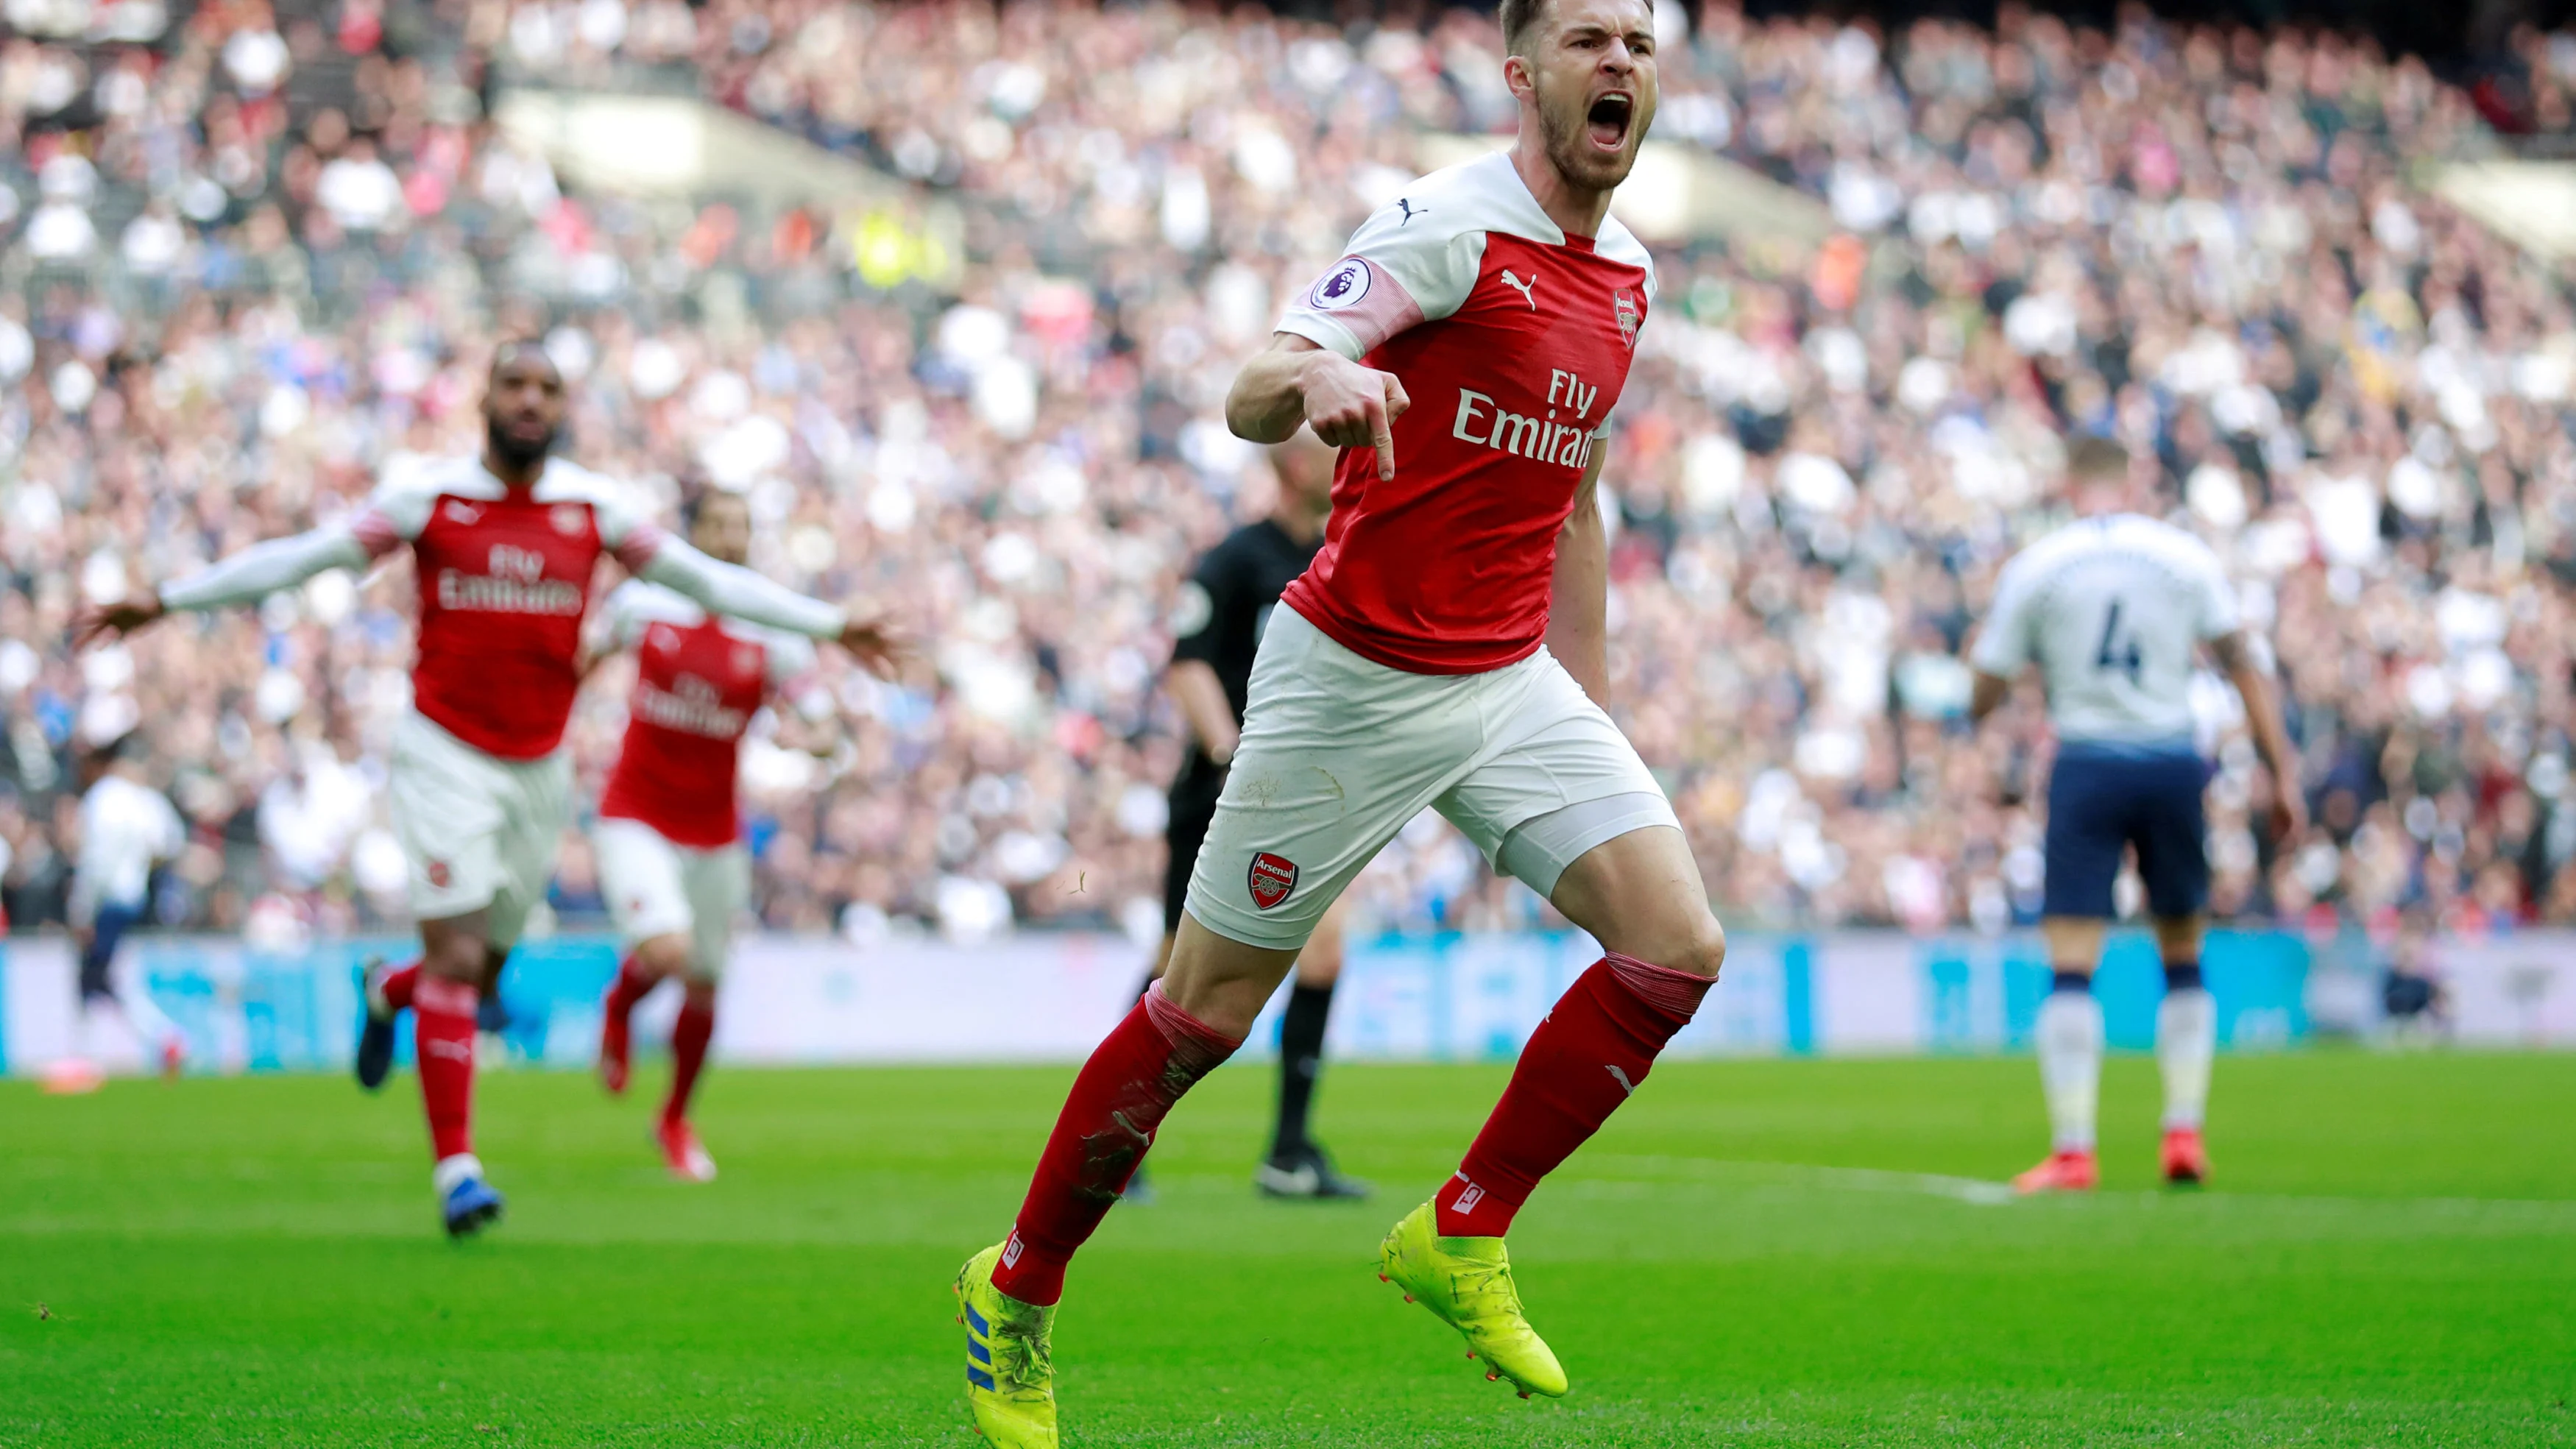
(2186, 1042)
(690, 1034)
(1593, 1050)
(443, 1033)
(629, 986)
(1122, 1095)
(2070, 1060)
(616, 1010)
(1301, 1061)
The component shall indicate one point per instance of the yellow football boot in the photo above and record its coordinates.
(1468, 1283)
(1010, 1381)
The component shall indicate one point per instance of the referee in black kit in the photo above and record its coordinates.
(1216, 629)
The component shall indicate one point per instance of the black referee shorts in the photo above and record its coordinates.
(1193, 802)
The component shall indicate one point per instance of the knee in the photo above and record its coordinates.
(457, 958)
(663, 956)
(701, 992)
(1702, 948)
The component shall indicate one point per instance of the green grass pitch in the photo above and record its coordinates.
(1752, 1253)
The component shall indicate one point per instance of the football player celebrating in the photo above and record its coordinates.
(1446, 649)
(505, 544)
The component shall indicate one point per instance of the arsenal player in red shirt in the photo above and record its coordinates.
(506, 545)
(1445, 649)
(671, 859)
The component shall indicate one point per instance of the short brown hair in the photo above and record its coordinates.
(2097, 457)
(1517, 17)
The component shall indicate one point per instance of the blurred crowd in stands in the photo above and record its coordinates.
(252, 257)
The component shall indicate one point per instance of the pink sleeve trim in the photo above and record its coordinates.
(639, 546)
(1383, 310)
(375, 533)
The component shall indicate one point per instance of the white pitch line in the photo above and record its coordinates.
(2553, 1214)
(1974, 1190)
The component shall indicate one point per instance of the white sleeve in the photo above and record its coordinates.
(625, 528)
(264, 568)
(791, 657)
(622, 619)
(738, 593)
(1403, 267)
(2003, 645)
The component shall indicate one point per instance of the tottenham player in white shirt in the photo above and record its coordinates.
(126, 828)
(2114, 611)
(506, 547)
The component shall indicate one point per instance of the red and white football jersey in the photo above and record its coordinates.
(1513, 341)
(505, 578)
(699, 680)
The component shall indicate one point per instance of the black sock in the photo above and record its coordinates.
(2182, 975)
(2078, 982)
(1301, 1058)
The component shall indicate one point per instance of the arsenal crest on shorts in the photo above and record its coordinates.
(1271, 878)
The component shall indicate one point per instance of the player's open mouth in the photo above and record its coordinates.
(1607, 121)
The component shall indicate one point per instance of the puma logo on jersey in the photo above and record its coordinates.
(1407, 208)
(1517, 285)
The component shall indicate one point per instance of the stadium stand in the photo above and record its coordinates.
(251, 255)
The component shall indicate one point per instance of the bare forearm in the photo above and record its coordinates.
(1210, 715)
(2263, 717)
(1268, 399)
(2235, 654)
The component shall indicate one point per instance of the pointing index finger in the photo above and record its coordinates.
(1382, 437)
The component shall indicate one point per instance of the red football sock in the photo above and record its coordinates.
(399, 984)
(1134, 1076)
(628, 989)
(443, 1032)
(1592, 1051)
(689, 1036)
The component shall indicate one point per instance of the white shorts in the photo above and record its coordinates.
(480, 831)
(1338, 752)
(658, 888)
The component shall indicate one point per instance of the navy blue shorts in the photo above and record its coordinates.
(107, 930)
(2102, 799)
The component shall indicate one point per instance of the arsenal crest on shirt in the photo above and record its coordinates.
(1629, 316)
(1271, 878)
